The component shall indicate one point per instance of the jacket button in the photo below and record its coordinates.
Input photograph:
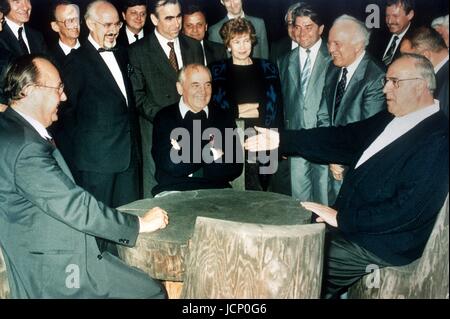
(99, 257)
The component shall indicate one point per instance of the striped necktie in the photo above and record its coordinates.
(172, 56)
(306, 73)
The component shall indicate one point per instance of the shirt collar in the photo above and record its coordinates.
(401, 35)
(130, 34)
(440, 65)
(351, 69)
(163, 41)
(66, 49)
(35, 124)
(184, 109)
(419, 115)
(14, 26)
(242, 15)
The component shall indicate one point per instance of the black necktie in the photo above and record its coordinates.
(100, 50)
(172, 56)
(387, 59)
(23, 46)
(195, 116)
(136, 36)
(51, 140)
(340, 91)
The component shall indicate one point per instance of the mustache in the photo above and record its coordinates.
(111, 34)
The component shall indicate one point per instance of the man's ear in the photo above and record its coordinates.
(427, 54)
(321, 28)
(154, 19)
(55, 26)
(90, 24)
(410, 15)
(123, 16)
(179, 88)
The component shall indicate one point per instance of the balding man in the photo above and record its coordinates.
(428, 42)
(101, 119)
(65, 22)
(49, 225)
(398, 177)
(352, 89)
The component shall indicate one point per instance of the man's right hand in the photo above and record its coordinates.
(156, 218)
(248, 110)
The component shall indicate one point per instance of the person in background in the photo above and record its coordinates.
(49, 225)
(235, 10)
(5, 57)
(195, 26)
(441, 26)
(134, 14)
(247, 88)
(428, 42)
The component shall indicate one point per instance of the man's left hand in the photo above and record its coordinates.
(326, 214)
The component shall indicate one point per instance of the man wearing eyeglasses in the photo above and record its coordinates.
(65, 22)
(100, 118)
(397, 181)
(134, 14)
(17, 37)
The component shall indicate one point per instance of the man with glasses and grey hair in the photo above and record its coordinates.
(65, 22)
(397, 181)
(352, 89)
(100, 114)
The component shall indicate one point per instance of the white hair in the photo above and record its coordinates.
(440, 21)
(361, 35)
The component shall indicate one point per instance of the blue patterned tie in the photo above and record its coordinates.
(306, 73)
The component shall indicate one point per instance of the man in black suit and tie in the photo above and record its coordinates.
(16, 37)
(397, 182)
(5, 57)
(190, 161)
(48, 224)
(101, 119)
(156, 60)
(385, 44)
(429, 43)
(65, 22)
(134, 14)
(195, 26)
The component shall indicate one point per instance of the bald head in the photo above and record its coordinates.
(103, 22)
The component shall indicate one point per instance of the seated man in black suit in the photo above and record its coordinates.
(17, 37)
(195, 26)
(189, 147)
(398, 177)
(66, 22)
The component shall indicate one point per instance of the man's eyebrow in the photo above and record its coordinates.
(172, 17)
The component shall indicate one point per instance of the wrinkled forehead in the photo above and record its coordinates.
(402, 67)
(67, 11)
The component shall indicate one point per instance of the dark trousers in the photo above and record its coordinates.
(345, 264)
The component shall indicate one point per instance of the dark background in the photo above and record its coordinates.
(272, 11)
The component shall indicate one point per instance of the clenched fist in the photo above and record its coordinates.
(156, 218)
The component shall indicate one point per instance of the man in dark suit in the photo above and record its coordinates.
(429, 43)
(17, 37)
(134, 14)
(65, 22)
(235, 10)
(302, 75)
(397, 182)
(353, 90)
(156, 60)
(185, 158)
(5, 57)
(195, 26)
(49, 224)
(385, 44)
(287, 43)
(100, 115)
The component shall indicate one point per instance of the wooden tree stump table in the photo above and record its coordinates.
(162, 254)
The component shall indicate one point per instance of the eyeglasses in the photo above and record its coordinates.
(60, 88)
(70, 23)
(396, 82)
(116, 25)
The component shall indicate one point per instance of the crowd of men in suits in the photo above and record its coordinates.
(122, 80)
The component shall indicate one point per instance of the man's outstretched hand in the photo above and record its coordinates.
(156, 218)
(326, 214)
(265, 140)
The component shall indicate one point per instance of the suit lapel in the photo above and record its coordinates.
(294, 68)
(11, 39)
(157, 56)
(331, 87)
(318, 68)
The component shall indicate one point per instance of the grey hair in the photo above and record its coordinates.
(184, 69)
(423, 67)
(291, 9)
(91, 8)
(362, 33)
(440, 21)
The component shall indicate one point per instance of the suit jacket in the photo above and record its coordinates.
(9, 42)
(122, 38)
(175, 176)
(5, 57)
(58, 56)
(363, 96)
(214, 51)
(389, 204)
(260, 50)
(150, 63)
(49, 224)
(309, 182)
(280, 48)
(442, 86)
(97, 117)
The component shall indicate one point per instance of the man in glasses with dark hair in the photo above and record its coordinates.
(65, 20)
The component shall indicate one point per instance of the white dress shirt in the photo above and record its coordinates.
(351, 69)
(131, 37)
(163, 43)
(36, 125)
(396, 128)
(15, 29)
(184, 109)
(440, 65)
(66, 49)
(113, 66)
(314, 50)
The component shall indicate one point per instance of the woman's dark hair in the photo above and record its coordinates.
(238, 26)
